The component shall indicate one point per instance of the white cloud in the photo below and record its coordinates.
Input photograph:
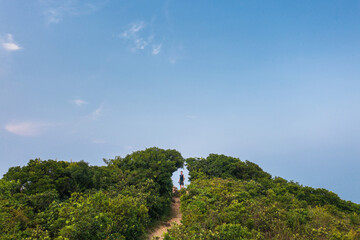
(79, 102)
(53, 15)
(132, 32)
(140, 43)
(55, 11)
(9, 44)
(140, 38)
(97, 113)
(26, 128)
(156, 49)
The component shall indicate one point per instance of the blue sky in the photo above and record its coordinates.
(273, 82)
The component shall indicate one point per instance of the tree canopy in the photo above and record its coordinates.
(224, 167)
(49, 199)
(226, 199)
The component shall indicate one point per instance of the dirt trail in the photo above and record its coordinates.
(175, 218)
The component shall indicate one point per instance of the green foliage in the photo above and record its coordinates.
(244, 209)
(40, 176)
(313, 196)
(233, 231)
(231, 199)
(96, 216)
(72, 200)
(40, 201)
(227, 199)
(224, 167)
(153, 164)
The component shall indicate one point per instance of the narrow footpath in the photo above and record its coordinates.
(175, 218)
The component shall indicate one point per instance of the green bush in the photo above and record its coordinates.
(72, 200)
(152, 164)
(224, 167)
(233, 231)
(98, 216)
(227, 199)
(219, 208)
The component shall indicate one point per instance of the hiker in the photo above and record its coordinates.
(181, 180)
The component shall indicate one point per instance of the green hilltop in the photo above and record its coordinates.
(226, 199)
(231, 199)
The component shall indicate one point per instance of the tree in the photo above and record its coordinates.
(153, 164)
(224, 167)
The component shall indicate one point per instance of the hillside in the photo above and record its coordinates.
(227, 199)
(72, 200)
(231, 199)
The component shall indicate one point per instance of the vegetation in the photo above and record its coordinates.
(230, 199)
(72, 200)
(224, 167)
(227, 199)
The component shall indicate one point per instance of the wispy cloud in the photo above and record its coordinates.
(53, 15)
(140, 38)
(97, 113)
(156, 49)
(55, 11)
(133, 35)
(79, 102)
(9, 44)
(132, 32)
(27, 128)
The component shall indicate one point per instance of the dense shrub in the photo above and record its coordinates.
(237, 209)
(231, 199)
(153, 164)
(39, 176)
(72, 200)
(224, 167)
(227, 199)
(96, 216)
